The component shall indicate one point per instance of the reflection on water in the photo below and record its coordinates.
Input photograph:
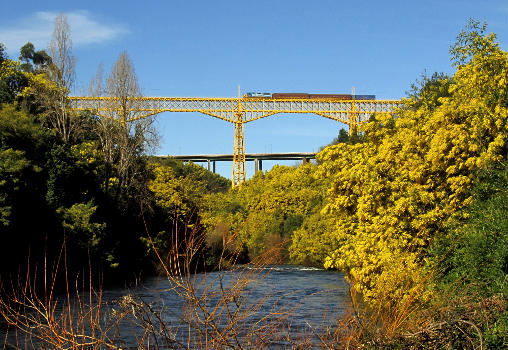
(301, 300)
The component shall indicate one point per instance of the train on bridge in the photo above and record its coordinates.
(304, 95)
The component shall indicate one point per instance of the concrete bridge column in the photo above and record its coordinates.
(305, 160)
(209, 165)
(258, 165)
(213, 166)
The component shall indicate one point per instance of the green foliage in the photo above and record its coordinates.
(344, 137)
(26, 82)
(265, 211)
(472, 255)
(179, 191)
(471, 42)
(33, 60)
(21, 142)
(496, 333)
(4, 88)
(213, 182)
(180, 188)
(12, 165)
(427, 92)
(223, 215)
(312, 241)
(12, 81)
(24, 216)
(262, 231)
(471, 260)
(59, 185)
(179, 197)
(3, 55)
(62, 170)
(77, 220)
(48, 185)
(371, 207)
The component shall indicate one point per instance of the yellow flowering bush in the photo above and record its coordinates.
(86, 152)
(392, 194)
(175, 194)
(25, 84)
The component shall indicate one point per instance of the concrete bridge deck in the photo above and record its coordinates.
(256, 157)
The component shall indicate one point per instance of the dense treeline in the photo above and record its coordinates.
(56, 190)
(263, 213)
(76, 189)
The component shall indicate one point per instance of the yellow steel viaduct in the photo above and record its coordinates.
(237, 111)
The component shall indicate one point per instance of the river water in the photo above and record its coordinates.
(271, 306)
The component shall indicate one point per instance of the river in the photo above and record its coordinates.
(270, 306)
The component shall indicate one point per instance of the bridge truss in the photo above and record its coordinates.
(237, 111)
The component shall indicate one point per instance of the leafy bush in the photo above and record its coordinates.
(473, 253)
(394, 194)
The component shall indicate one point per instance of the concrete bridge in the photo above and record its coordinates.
(258, 158)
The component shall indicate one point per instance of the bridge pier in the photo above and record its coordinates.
(258, 165)
(211, 159)
(212, 162)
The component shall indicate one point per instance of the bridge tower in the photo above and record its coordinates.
(353, 115)
(239, 175)
(239, 150)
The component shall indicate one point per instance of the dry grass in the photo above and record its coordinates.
(44, 321)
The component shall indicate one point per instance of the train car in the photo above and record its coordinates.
(331, 96)
(364, 97)
(258, 94)
(287, 95)
(304, 95)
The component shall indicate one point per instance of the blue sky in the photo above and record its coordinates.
(208, 48)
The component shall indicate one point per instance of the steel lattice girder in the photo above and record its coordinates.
(235, 110)
(225, 108)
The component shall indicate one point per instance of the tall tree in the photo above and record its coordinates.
(61, 72)
(5, 93)
(124, 134)
(96, 83)
(60, 49)
(3, 55)
(122, 83)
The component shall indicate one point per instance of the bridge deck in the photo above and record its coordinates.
(345, 111)
(248, 157)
